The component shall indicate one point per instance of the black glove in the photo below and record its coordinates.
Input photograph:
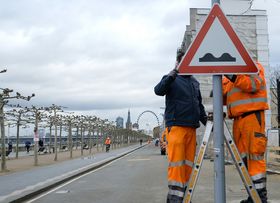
(232, 78)
(180, 54)
(210, 116)
(173, 73)
(211, 93)
(204, 120)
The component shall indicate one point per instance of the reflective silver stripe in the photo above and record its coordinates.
(259, 78)
(248, 101)
(233, 90)
(260, 185)
(256, 157)
(254, 89)
(263, 87)
(243, 155)
(180, 163)
(174, 183)
(176, 193)
(258, 176)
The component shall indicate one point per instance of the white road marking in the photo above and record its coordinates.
(70, 181)
(138, 159)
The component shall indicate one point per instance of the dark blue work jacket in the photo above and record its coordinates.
(182, 100)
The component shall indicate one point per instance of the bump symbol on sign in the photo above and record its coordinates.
(210, 58)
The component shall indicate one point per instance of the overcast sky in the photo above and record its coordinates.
(99, 57)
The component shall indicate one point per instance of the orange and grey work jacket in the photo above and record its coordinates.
(107, 141)
(246, 94)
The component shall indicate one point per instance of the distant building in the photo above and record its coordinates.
(128, 122)
(250, 26)
(119, 122)
(135, 126)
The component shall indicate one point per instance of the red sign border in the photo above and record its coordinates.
(185, 68)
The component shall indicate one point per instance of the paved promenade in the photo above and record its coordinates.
(24, 178)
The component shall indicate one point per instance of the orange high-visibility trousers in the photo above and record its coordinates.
(250, 139)
(181, 153)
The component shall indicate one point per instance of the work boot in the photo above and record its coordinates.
(248, 200)
(174, 199)
(263, 195)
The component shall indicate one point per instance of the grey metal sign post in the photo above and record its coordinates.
(219, 166)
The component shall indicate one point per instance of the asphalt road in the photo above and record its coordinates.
(141, 178)
(136, 178)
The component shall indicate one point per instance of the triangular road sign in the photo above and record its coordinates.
(216, 49)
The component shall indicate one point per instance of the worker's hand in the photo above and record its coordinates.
(224, 114)
(173, 73)
(232, 78)
(210, 116)
(211, 93)
(180, 54)
(203, 120)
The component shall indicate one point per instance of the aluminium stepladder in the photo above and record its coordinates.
(250, 188)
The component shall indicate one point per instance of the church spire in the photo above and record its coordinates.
(128, 122)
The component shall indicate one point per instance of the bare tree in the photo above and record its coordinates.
(274, 75)
(17, 118)
(5, 96)
(54, 120)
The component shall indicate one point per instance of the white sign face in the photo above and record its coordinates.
(217, 49)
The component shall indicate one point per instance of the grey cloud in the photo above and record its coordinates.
(94, 55)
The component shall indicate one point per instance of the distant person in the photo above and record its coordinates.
(85, 146)
(41, 145)
(10, 147)
(108, 144)
(184, 110)
(141, 141)
(156, 142)
(27, 146)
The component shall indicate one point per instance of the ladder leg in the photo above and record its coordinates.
(251, 190)
(198, 162)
